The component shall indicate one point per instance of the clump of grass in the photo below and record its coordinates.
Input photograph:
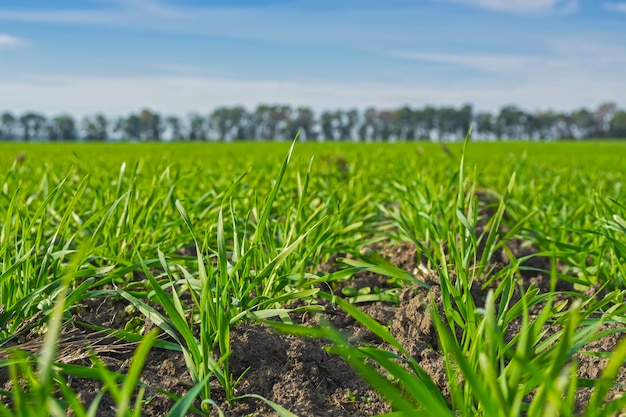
(73, 227)
(489, 372)
(246, 282)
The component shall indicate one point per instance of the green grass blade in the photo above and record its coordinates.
(280, 410)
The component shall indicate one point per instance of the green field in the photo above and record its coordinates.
(495, 279)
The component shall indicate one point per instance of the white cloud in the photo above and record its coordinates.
(572, 56)
(577, 72)
(484, 62)
(574, 72)
(138, 12)
(251, 22)
(155, 8)
(522, 6)
(180, 95)
(590, 58)
(71, 16)
(617, 7)
(128, 12)
(7, 41)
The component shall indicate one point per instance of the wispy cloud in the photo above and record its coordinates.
(562, 55)
(617, 7)
(442, 56)
(115, 12)
(483, 62)
(122, 11)
(596, 58)
(286, 22)
(522, 6)
(543, 88)
(7, 41)
(123, 14)
(237, 22)
(84, 17)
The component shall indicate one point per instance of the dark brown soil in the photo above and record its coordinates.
(298, 373)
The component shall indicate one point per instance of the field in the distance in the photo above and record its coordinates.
(206, 278)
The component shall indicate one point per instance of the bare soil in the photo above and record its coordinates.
(298, 373)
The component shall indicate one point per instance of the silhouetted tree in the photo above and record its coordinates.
(304, 121)
(385, 125)
(7, 126)
(485, 125)
(327, 122)
(618, 124)
(62, 128)
(368, 131)
(32, 126)
(463, 120)
(584, 123)
(175, 127)
(510, 122)
(280, 122)
(198, 128)
(603, 116)
(404, 123)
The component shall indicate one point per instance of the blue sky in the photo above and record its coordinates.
(118, 56)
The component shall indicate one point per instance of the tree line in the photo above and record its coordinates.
(282, 122)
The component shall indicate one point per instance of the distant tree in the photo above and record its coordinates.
(425, 121)
(290, 129)
(230, 123)
(510, 122)
(463, 121)
(618, 124)
(150, 126)
(347, 123)
(275, 117)
(303, 121)
(485, 125)
(446, 123)
(62, 128)
(306, 122)
(603, 117)
(221, 122)
(278, 122)
(385, 125)
(547, 125)
(261, 120)
(175, 128)
(281, 115)
(241, 123)
(565, 126)
(7, 126)
(327, 122)
(118, 128)
(368, 131)
(198, 128)
(95, 128)
(131, 128)
(532, 126)
(404, 123)
(102, 127)
(88, 129)
(252, 126)
(33, 125)
(584, 124)
(39, 126)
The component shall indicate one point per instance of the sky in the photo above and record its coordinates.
(176, 57)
